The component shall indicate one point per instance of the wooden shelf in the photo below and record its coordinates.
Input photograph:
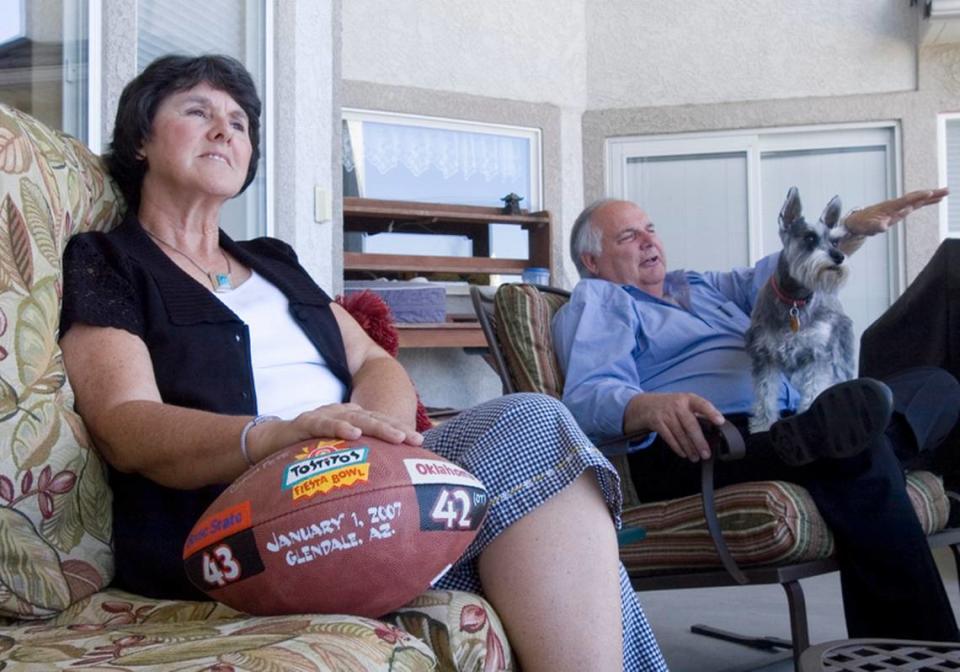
(373, 208)
(373, 216)
(385, 263)
(442, 335)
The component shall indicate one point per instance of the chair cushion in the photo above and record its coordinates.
(523, 315)
(763, 523)
(303, 643)
(452, 629)
(55, 517)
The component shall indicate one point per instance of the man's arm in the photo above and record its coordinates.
(595, 335)
(878, 218)
(741, 285)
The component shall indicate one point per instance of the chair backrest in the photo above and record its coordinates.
(517, 327)
(55, 515)
(482, 298)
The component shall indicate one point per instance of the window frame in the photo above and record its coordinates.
(943, 211)
(754, 143)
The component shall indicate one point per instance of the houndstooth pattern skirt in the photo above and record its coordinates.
(526, 448)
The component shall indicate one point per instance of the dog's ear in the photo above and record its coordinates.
(792, 209)
(831, 213)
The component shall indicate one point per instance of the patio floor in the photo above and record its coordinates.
(754, 610)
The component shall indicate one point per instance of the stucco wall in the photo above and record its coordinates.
(860, 63)
(649, 52)
(516, 49)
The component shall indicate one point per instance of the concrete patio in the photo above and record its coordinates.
(753, 610)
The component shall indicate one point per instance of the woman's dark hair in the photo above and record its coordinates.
(142, 96)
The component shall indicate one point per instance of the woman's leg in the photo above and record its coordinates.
(547, 547)
(554, 571)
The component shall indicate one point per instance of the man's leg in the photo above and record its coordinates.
(891, 585)
(926, 409)
(887, 570)
(922, 328)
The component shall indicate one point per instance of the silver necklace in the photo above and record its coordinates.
(222, 282)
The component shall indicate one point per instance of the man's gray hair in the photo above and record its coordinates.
(585, 238)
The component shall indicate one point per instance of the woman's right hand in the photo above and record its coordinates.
(341, 421)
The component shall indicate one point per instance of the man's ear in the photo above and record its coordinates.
(590, 261)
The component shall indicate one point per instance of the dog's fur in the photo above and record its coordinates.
(821, 352)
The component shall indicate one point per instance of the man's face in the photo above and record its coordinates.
(631, 253)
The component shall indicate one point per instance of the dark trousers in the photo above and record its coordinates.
(922, 328)
(891, 586)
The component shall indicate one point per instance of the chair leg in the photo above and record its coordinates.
(762, 642)
(955, 549)
(799, 631)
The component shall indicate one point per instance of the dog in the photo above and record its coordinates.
(798, 327)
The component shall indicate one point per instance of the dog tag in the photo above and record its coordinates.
(794, 319)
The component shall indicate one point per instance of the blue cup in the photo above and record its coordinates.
(536, 275)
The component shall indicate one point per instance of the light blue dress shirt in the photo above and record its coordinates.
(615, 341)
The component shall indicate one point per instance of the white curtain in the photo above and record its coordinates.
(453, 153)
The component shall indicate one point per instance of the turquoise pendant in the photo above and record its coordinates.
(220, 281)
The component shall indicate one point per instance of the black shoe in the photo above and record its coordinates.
(840, 422)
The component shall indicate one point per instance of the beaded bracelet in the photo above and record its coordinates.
(259, 420)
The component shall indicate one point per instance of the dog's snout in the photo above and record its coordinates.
(836, 255)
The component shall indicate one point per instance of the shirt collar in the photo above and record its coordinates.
(676, 284)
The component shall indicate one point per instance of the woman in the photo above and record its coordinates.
(180, 344)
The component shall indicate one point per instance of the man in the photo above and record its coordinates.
(644, 349)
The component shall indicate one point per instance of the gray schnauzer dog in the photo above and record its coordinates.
(798, 327)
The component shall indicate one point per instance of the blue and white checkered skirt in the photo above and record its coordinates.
(526, 448)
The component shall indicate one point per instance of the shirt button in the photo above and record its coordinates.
(245, 395)
(237, 337)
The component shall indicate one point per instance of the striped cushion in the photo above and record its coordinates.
(763, 523)
(929, 500)
(523, 316)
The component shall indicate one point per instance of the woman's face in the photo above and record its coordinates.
(199, 144)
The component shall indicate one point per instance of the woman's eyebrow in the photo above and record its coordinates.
(204, 100)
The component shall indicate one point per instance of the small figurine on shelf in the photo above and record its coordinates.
(511, 204)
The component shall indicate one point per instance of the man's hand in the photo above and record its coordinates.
(879, 217)
(674, 417)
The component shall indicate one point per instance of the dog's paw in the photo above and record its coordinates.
(760, 423)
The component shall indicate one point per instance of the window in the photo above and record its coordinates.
(717, 197)
(43, 62)
(948, 132)
(235, 28)
(414, 158)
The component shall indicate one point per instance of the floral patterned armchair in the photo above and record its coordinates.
(56, 607)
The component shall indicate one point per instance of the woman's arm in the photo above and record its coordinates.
(185, 448)
(117, 396)
(379, 381)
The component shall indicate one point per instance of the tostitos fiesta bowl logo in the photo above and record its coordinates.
(325, 465)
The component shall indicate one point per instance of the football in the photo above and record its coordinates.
(333, 526)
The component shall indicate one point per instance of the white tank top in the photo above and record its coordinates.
(289, 374)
